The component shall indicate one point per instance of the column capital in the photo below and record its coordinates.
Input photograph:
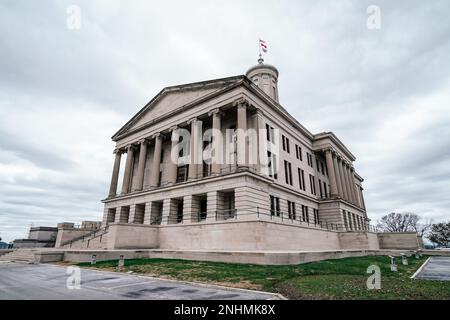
(156, 135)
(142, 141)
(171, 129)
(193, 120)
(215, 112)
(117, 151)
(241, 103)
(131, 146)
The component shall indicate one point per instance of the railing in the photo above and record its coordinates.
(259, 214)
(90, 235)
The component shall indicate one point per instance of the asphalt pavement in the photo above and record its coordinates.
(54, 282)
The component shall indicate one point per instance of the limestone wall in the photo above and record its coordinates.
(246, 235)
(358, 240)
(66, 234)
(398, 240)
(132, 236)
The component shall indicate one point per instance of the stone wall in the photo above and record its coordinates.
(129, 236)
(246, 235)
(398, 240)
(358, 240)
(67, 234)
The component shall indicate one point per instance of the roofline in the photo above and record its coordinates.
(240, 79)
(165, 90)
(335, 139)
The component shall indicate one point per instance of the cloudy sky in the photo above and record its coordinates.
(64, 91)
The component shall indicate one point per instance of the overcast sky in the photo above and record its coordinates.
(64, 92)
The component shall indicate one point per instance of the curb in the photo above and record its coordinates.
(420, 269)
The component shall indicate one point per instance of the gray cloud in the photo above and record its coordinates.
(63, 93)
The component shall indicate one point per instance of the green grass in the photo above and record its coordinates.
(329, 279)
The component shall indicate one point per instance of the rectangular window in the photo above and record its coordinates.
(312, 183)
(310, 159)
(182, 173)
(322, 167)
(268, 132)
(316, 216)
(291, 210)
(320, 188)
(325, 191)
(317, 165)
(283, 139)
(288, 172)
(301, 179)
(288, 148)
(272, 165)
(274, 206)
(344, 214)
(305, 216)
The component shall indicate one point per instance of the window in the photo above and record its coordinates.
(316, 216)
(272, 161)
(270, 134)
(312, 183)
(274, 206)
(344, 214)
(285, 142)
(320, 188)
(305, 216)
(298, 152)
(291, 210)
(325, 191)
(288, 172)
(317, 165)
(322, 167)
(301, 179)
(310, 159)
(182, 173)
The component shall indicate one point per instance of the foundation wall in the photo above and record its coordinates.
(399, 240)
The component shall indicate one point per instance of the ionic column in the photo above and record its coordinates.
(139, 184)
(261, 144)
(330, 166)
(128, 167)
(343, 179)
(216, 161)
(195, 148)
(338, 176)
(241, 132)
(173, 163)
(156, 161)
(115, 173)
(349, 184)
(353, 185)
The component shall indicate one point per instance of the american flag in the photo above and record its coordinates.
(263, 45)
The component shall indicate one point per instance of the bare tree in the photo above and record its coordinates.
(403, 222)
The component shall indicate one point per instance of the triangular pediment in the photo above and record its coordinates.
(172, 98)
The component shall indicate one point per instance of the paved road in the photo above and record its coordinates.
(437, 268)
(48, 282)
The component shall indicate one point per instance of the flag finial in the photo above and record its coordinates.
(260, 59)
(262, 48)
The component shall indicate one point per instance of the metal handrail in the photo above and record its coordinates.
(91, 235)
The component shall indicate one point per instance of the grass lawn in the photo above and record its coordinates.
(329, 279)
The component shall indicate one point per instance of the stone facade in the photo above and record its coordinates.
(204, 156)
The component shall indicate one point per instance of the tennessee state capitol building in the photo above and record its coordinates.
(206, 162)
(221, 165)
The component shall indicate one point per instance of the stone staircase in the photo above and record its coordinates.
(19, 255)
(94, 240)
